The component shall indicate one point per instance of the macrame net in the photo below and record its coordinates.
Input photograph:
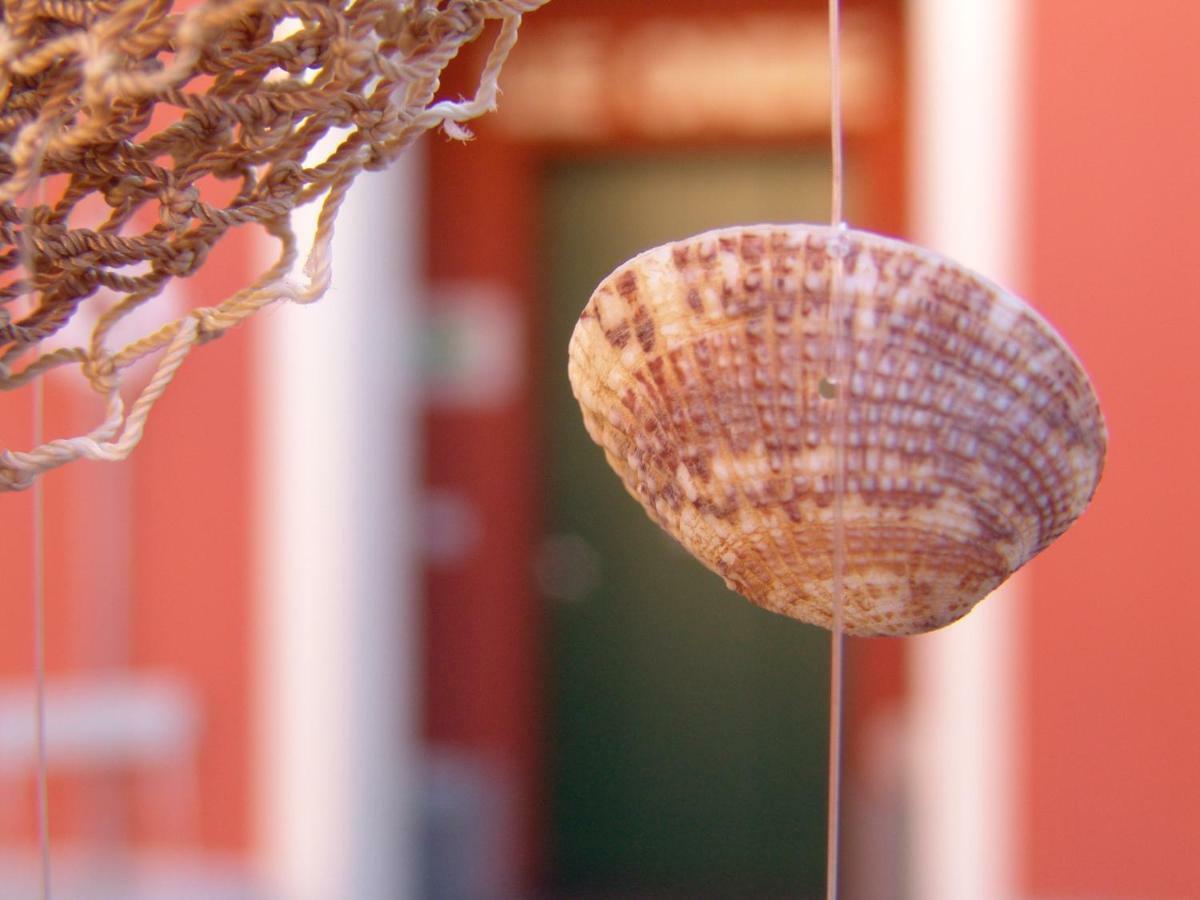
(134, 136)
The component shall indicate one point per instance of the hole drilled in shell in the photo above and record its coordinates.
(973, 437)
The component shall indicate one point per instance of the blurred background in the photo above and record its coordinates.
(366, 615)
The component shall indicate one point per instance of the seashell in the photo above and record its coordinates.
(972, 436)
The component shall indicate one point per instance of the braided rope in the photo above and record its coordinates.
(183, 126)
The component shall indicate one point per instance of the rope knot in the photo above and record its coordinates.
(211, 323)
(101, 373)
(177, 206)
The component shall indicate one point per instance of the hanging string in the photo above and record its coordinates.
(38, 562)
(39, 650)
(840, 381)
(836, 215)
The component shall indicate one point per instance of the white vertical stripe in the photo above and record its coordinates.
(336, 637)
(966, 179)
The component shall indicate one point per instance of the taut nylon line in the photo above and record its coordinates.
(840, 379)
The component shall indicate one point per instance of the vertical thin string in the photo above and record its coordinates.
(840, 381)
(28, 263)
(39, 648)
(835, 113)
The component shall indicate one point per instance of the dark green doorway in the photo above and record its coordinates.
(688, 728)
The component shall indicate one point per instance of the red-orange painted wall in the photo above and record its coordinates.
(165, 539)
(1112, 746)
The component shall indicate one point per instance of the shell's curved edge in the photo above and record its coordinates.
(973, 435)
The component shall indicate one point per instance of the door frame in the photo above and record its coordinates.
(484, 634)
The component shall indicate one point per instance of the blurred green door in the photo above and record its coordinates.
(689, 728)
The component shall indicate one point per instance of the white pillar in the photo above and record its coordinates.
(337, 481)
(966, 178)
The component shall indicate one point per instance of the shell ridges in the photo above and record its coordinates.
(973, 437)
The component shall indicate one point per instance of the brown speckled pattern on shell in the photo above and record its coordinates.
(973, 437)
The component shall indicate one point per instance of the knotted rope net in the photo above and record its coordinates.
(135, 134)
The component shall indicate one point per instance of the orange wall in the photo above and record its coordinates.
(165, 539)
(1112, 748)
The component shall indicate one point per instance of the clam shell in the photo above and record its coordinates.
(972, 436)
